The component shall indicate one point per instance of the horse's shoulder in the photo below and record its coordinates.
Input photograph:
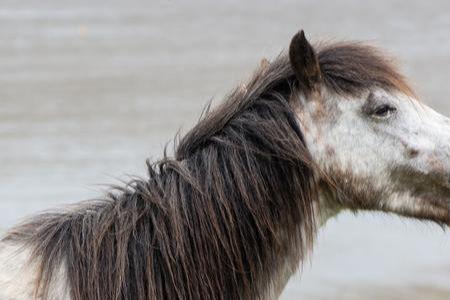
(17, 275)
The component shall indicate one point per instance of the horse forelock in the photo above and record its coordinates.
(354, 67)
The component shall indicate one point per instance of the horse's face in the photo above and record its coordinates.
(381, 150)
(384, 151)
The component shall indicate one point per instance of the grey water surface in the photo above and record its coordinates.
(90, 89)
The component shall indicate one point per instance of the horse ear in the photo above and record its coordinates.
(304, 62)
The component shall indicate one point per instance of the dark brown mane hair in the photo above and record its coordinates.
(218, 219)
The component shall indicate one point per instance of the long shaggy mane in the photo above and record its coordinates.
(219, 218)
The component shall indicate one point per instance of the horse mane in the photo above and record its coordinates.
(219, 218)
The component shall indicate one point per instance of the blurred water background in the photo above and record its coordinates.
(90, 89)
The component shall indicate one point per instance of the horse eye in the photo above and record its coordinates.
(383, 111)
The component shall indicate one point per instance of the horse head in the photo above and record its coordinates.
(375, 145)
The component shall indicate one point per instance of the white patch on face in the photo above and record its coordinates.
(345, 139)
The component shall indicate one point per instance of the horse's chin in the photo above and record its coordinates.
(446, 220)
(425, 207)
(435, 209)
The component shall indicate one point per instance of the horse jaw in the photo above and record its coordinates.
(399, 165)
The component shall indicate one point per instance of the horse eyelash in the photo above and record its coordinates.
(383, 110)
(377, 110)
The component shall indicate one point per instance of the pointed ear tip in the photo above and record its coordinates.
(299, 38)
(299, 35)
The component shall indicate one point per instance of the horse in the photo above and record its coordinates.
(234, 211)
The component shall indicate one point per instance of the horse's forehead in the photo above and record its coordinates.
(327, 107)
(336, 103)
